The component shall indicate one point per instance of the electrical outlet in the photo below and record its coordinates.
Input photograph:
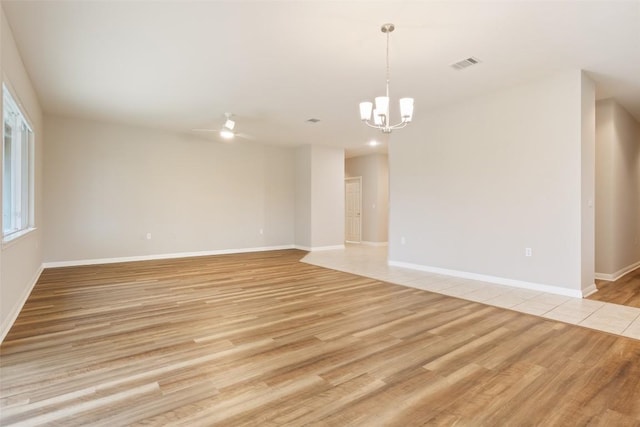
(261, 231)
(528, 252)
(148, 236)
(403, 240)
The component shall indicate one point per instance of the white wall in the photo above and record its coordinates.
(617, 190)
(374, 170)
(319, 198)
(588, 182)
(327, 197)
(303, 196)
(107, 186)
(474, 184)
(20, 259)
(605, 168)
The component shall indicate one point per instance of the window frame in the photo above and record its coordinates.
(22, 154)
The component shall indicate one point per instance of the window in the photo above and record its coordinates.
(17, 169)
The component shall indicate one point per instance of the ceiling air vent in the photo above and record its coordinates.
(465, 63)
(313, 120)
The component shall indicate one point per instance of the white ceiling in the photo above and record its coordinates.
(180, 65)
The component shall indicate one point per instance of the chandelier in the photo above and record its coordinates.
(381, 111)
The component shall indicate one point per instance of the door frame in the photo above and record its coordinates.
(357, 179)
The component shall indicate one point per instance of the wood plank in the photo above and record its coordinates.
(624, 291)
(262, 339)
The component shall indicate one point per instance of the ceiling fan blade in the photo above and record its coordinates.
(245, 136)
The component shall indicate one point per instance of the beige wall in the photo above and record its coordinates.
(20, 259)
(617, 191)
(374, 170)
(327, 197)
(588, 178)
(319, 201)
(474, 184)
(303, 196)
(107, 186)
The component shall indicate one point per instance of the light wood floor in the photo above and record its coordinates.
(264, 340)
(624, 291)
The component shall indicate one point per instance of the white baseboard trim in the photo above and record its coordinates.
(575, 293)
(618, 274)
(589, 290)
(319, 248)
(80, 262)
(364, 242)
(10, 320)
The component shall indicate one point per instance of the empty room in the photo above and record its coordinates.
(295, 213)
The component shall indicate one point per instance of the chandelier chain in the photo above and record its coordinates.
(388, 68)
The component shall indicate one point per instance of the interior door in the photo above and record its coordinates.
(353, 207)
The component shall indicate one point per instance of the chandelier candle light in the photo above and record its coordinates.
(381, 112)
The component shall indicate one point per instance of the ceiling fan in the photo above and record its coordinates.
(227, 131)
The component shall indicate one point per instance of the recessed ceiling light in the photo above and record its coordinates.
(373, 143)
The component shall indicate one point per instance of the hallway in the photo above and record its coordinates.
(624, 291)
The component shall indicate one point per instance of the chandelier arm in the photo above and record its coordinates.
(400, 125)
(368, 123)
(386, 128)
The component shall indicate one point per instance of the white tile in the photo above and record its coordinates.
(486, 293)
(534, 307)
(618, 312)
(633, 330)
(459, 290)
(463, 281)
(573, 318)
(551, 299)
(582, 304)
(441, 286)
(506, 300)
(574, 310)
(607, 325)
(417, 286)
(525, 294)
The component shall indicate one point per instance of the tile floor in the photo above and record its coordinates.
(371, 262)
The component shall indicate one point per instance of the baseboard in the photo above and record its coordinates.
(80, 262)
(318, 248)
(10, 320)
(364, 242)
(575, 293)
(618, 274)
(589, 290)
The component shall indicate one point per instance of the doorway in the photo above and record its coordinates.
(353, 209)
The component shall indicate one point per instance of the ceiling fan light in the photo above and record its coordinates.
(365, 110)
(406, 109)
(229, 124)
(226, 133)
